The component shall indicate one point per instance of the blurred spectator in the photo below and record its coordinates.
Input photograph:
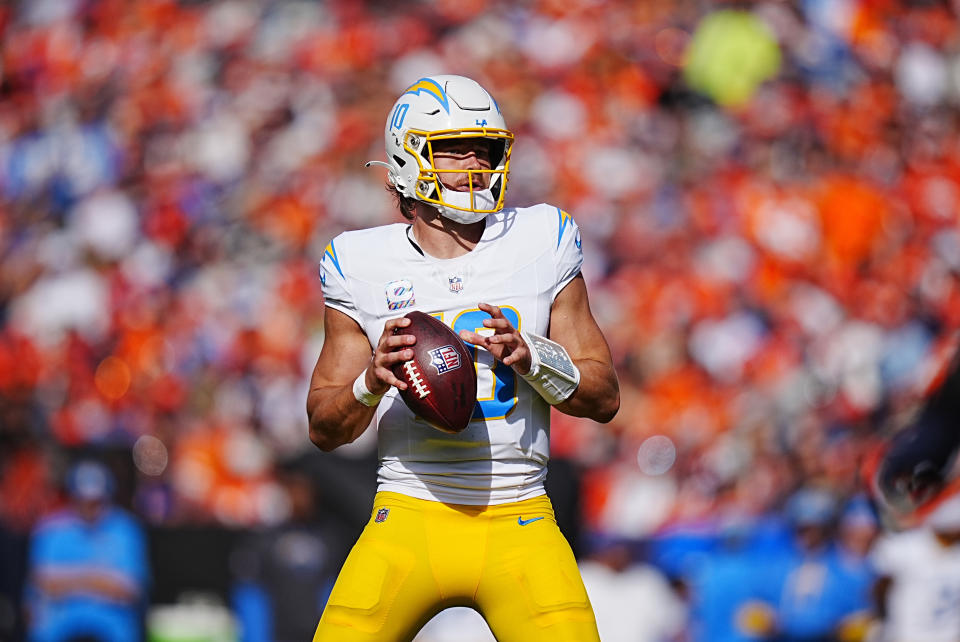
(633, 602)
(283, 575)
(730, 54)
(88, 570)
(728, 584)
(819, 597)
(919, 588)
(858, 531)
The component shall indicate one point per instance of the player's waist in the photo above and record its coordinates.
(498, 457)
(533, 505)
(473, 483)
(478, 469)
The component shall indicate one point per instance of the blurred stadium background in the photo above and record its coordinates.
(770, 200)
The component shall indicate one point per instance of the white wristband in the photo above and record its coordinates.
(362, 393)
(552, 372)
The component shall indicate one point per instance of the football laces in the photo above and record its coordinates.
(416, 379)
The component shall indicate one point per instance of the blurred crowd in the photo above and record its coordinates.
(769, 194)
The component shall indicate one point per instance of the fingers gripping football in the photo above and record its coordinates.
(505, 344)
(391, 349)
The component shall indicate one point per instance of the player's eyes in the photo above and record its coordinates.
(462, 148)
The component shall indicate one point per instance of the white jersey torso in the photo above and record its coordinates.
(924, 600)
(524, 258)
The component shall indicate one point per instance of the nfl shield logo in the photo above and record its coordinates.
(456, 284)
(382, 515)
(444, 359)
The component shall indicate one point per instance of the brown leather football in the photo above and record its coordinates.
(441, 379)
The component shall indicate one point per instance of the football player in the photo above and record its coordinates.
(459, 519)
(915, 471)
(918, 592)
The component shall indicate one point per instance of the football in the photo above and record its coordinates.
(441, 380)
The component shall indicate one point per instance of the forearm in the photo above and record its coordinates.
(108, 585)
(336, 417)
(334, 407)
(598, 395)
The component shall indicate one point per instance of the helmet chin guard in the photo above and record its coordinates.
(467, 207)
(442, 108)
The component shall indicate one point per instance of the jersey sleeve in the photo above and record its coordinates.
(333, 281)
(569, 255)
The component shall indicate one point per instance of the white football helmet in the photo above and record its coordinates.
(444, 107)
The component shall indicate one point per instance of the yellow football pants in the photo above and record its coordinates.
(415, 558)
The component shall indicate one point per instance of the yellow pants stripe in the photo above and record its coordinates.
(415, 558)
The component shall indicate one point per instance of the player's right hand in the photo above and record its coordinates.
(391, 349)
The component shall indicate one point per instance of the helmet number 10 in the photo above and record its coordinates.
(399, 113)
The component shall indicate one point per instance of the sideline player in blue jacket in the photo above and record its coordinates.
(88, 566)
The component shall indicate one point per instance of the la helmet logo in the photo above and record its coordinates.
(382, 515)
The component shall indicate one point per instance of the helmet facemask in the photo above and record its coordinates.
(485, 188)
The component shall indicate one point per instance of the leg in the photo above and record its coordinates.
(531, 590)
(385, 591)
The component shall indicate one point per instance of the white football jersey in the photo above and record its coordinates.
(924, 600)
(525, 257)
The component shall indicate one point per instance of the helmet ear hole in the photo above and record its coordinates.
(399, 161)
(426, 188)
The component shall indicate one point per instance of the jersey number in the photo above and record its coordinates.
(497, 384)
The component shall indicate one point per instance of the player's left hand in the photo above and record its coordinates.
(505, 344)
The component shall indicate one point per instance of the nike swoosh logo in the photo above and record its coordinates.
(521, 521)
